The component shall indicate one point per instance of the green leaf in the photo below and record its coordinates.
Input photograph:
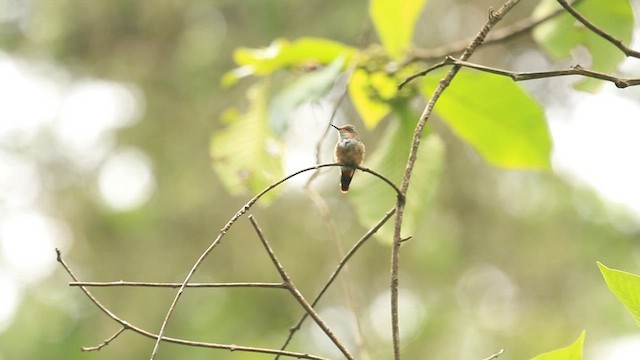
(493, 114)
(282, 54)
(371, 94)
(626, 287)
(309, 87)
(246, 155)
(562, 34)
(395, 22)
(371, 197)
(571, 352)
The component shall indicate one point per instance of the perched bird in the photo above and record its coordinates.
(349, 152)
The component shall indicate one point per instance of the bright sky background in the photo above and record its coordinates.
(596, 144)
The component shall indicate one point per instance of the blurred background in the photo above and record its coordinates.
(107, 109)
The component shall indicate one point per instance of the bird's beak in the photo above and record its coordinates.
(337, 128)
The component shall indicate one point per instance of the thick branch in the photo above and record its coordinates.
(494, 18)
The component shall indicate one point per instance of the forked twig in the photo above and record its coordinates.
(128, 326)
(224, 230)
(339, 268)
(296, 293)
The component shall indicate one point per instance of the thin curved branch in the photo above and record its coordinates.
(224, 230)
(595, 29)
(128, 326)
(494, 18)
(106, 342)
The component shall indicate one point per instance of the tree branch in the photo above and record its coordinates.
(176, 285)
(496, 355)
(226, 228)
(128, 326)
(524, 76)
(496, 36)
(296, 293)
(595, 29)
(106, 342)
(335, 273)
(494, 18)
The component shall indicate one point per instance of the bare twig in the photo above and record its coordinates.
(340, 266)
(494, 18)
(603, 34)
(136, 329)
(496, 355)
(296, 293)
(524, 76)
(106, 342)
(497, 36)
(224, 230)
(177, 285)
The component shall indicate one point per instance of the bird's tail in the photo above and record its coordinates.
(345, 178)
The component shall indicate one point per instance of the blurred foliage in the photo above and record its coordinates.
(571, 352)
(626, 287)
(499, 258)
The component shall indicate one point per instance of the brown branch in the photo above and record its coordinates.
(226, 228)
(176, 285)
(106, 342)
(494, 18)
(336, 272)
(595, 29)
(496, 355)
(128, 326)
(497, 36)
(524, 76)
(296, 293)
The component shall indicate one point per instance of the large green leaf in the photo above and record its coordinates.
(571, 352)
(372, 197)
(283, 53)
(562, 34)
(395, 22)
(309, 87)
(246, 155)
(626, 287)
(371, 94)
(494, 115)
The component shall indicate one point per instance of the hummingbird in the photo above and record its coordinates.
(349, 152)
